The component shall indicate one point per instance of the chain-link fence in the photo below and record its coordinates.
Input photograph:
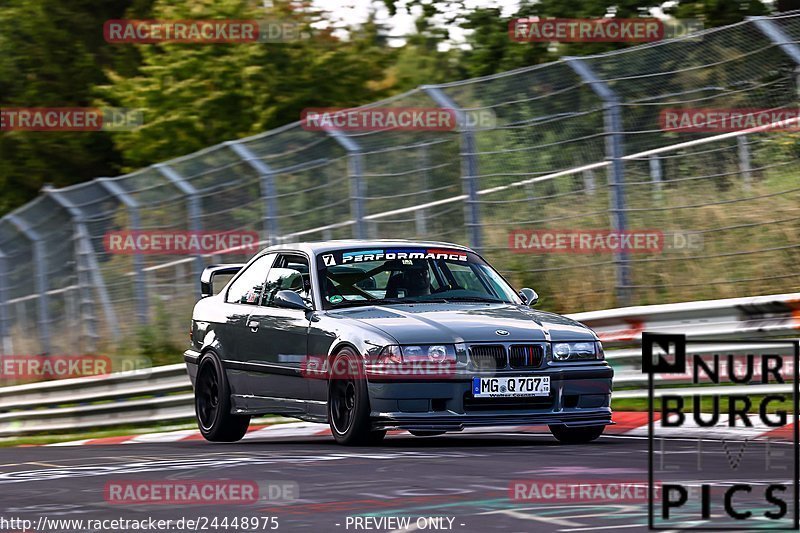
(579, 144)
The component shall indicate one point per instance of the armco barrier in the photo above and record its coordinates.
(159, 394)
(756, 316)
(164, 393)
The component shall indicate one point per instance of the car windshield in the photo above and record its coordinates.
(408, 275)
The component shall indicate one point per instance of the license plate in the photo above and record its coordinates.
(510, 386)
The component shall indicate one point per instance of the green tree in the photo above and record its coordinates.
(488, 48)
(52, 54)
(715, 13)
(195, 95)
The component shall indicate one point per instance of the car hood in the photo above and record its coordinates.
(452, 323)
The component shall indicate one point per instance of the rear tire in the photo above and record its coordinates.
(579, 435)
(212, 403)
(348, 402)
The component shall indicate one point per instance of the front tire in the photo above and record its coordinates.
(212, 401)
(348, 402)
(579, 435)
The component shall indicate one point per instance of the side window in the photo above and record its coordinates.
(248, 286)
(289, 273)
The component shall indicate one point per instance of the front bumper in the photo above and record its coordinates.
(578, 397)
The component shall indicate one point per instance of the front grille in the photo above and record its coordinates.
(488, 356)
(526, 356)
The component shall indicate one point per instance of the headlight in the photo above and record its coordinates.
(561, 351)
(438, 353)
(577, 351)
(435, 353)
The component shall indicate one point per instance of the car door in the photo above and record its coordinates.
(277, 343)
(244, 294)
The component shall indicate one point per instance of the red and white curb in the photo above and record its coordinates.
(633, 424)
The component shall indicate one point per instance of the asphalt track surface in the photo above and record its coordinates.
(462, 477)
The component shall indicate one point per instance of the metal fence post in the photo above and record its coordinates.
(420, 219)
(790, 47)
(180, 274)
(6, 346)
(140, 281)
(786, 43)
(267, 186)
(193, 201)
(744, 160)
(656, 176)
(588, 181)
(40, 277)
(469, 164)
(88, 271)
(614, 153)
(21, 313)
(776, 34)
(355, 164)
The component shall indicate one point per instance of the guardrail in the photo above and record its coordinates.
(160, 394)
(164, 394)
(755, 316)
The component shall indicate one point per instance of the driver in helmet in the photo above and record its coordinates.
(417, 279)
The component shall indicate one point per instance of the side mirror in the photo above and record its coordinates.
(290, 300)
(529, 297)
(207, 277)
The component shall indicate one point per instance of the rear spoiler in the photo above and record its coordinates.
(207, 277)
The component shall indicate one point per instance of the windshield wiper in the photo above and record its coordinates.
(475, 299)
(373, 301)
(390, 301)
(382, 301)
(348, 303)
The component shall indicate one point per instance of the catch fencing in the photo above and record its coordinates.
(578, 144)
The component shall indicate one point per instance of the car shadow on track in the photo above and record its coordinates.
(438, 442)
